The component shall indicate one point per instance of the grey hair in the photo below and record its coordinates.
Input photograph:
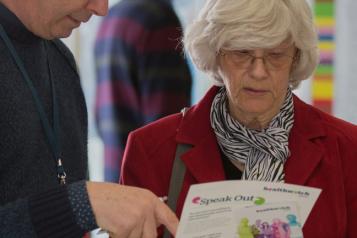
(251, 24)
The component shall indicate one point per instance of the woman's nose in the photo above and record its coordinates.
(258, 68)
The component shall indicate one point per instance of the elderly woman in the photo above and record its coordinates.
(250, 125)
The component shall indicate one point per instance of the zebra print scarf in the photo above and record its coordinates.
(262, 152)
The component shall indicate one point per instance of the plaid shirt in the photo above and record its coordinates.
(141, 73)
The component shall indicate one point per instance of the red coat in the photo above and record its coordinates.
(323, 155)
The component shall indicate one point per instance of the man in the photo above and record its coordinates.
(43, 135)
(141, 73)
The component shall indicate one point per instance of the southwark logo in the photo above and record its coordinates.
(203, 201)
(284, 190)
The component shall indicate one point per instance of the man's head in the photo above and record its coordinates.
(51, 19)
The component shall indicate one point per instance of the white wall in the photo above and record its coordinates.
(345, 103)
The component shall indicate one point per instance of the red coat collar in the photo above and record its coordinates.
(203, 160)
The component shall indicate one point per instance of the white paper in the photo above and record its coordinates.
(213, 210)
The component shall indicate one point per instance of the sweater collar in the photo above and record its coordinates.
(15, 29)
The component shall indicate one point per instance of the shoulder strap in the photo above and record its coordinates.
(177, 176)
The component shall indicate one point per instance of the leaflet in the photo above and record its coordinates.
(271, 220)
(246, 209)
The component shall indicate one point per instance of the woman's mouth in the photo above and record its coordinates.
(255, 91)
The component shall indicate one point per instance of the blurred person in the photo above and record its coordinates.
(141, 73)
(43, 143)
(251, 126)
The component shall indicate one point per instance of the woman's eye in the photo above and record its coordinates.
(275, 55)
(243, 52)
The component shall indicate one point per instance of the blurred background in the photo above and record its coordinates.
(332, 88)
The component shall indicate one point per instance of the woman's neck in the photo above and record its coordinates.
(255, 121)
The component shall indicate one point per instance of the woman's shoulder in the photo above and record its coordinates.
(337, 127)
(157, 136)
(161, 128)
(165, 122)
(332, 125)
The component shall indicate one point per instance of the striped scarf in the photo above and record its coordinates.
(262, 152)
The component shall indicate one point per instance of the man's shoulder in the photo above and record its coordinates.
(65, 52)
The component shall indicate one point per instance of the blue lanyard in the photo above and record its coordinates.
(51, 132)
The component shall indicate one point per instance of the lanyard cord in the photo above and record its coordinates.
(51, 132)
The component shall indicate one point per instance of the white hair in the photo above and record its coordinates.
(251, 24)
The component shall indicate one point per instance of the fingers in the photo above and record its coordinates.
(165, 216)
(149, 229)
(129, 212)
(135, 233)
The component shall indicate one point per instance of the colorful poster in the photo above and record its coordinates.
(322, 86)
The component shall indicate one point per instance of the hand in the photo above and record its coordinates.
(129, 212)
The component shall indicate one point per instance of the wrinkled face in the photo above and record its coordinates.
(57, 18)
(256, 80)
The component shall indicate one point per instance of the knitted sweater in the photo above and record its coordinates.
(141, 73)
(30, 198)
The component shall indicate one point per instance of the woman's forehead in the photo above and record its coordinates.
(257, 42)
(283, 46)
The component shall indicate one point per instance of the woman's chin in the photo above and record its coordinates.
(257, 107)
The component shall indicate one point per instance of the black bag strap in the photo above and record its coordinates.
(177, 176)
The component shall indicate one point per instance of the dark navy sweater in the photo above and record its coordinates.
(31, 201)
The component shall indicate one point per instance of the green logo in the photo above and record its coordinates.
(259, 201)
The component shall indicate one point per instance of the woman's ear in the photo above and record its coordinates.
(296, 58)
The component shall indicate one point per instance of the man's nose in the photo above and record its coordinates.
(98, 7)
